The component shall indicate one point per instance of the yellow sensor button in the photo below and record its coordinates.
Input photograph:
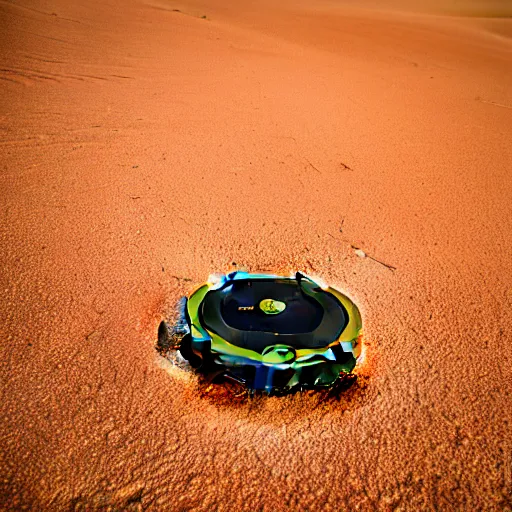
(272, 307)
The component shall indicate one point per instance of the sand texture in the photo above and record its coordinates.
(146, 144)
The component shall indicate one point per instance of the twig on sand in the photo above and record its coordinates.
(311, 265)
(345, 167)
(339, 239)
(494, 103)
(312, 165)
(363, 254)
(186, 279)
(203, 17)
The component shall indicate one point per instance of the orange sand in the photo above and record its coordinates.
(141, 145)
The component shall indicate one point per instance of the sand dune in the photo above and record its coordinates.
(146, 144)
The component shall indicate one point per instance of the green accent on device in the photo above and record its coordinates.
(272, 307)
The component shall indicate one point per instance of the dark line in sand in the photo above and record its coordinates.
(366, 255)
(319, 172)
(494, 103)
(187, 279)
(179, 11)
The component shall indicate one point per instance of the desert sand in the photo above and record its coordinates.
(146, 144)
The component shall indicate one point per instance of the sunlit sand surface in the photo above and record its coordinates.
(149, 144)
